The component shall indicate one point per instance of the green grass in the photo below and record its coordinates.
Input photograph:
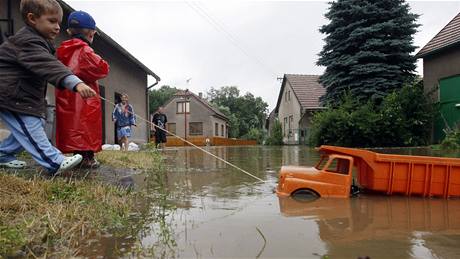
(62, 217)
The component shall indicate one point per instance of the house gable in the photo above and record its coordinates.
(299, 95)
(200, 114)
(306, 89)
(448, 37)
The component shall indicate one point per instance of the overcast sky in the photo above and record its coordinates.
(233, 43)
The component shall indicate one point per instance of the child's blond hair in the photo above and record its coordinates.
(38, 8)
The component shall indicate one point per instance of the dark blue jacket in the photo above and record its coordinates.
(123, 119)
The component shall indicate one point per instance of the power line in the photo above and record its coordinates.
(220, 27)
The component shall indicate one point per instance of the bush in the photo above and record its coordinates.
(452, 140)
(255, 134)
(276, 135)
(402, 119)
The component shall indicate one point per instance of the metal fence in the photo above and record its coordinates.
(296, 136)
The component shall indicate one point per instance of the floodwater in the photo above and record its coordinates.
(212, 210)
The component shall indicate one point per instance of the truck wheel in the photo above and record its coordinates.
(305, 195)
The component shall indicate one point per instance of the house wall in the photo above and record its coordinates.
(124, 77)
(438, 66)
(289, 107)
(198, 113)
(305, 125)
(220, 123)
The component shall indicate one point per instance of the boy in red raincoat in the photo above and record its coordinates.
(78, 120)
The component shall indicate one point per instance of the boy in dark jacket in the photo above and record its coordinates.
(27, 63)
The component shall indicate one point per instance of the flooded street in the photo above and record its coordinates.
(221, 212)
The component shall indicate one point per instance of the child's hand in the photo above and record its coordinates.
(85, 91)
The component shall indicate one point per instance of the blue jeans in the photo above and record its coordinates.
(28, 133)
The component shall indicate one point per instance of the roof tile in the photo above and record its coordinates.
(448, 36)
(307, 89)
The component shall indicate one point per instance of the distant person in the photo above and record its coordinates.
(159, 120)
(27, 64)
(124, 118)
(80, 133)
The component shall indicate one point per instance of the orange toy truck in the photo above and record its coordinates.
(384, 173)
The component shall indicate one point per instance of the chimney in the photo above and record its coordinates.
(200, 95)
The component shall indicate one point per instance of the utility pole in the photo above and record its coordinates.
(185, 113)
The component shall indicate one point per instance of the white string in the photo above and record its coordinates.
(190, 143)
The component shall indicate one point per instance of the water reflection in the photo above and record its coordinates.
(402, 227)
(257, 160)
(220, 211)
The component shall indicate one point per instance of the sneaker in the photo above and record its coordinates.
(14, 164)
(90, 163)
(69, 163)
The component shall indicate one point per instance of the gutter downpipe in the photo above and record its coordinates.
(157, 80)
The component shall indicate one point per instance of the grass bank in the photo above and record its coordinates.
(63, 217)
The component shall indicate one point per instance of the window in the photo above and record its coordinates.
(171, 127)
(291, 119)
(284, 126)
(216, 129)
(182, 107)
(287, 95)
(222, 130)
(337, 165)
(195, 128)
(322, 162)
(226, 131)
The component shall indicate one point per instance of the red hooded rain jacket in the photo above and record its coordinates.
(79, 121)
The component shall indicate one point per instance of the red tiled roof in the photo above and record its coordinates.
(448, 36)
(306, 88)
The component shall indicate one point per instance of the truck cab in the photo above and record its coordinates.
(331, 177)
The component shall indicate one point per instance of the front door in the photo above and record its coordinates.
(117, 101)
(449, 100)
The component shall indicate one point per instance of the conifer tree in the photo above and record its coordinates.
(367, 49)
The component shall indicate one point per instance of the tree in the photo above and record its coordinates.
(234, 123)
(367, 49)
(158, 97)
(244, 112)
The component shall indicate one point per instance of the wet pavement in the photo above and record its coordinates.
(221, 212)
